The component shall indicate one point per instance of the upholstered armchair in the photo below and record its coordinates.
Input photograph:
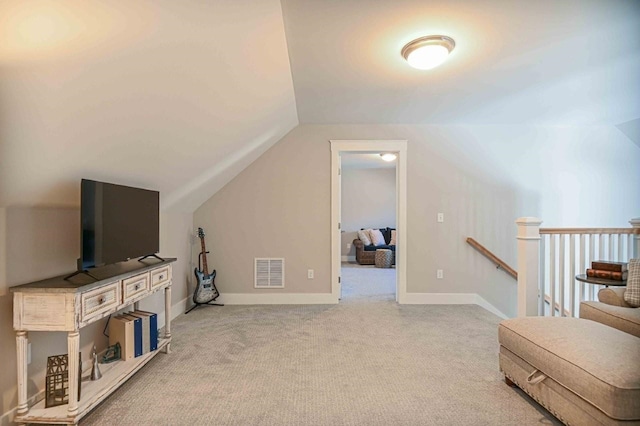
(613, 310)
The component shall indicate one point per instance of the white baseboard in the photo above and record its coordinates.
(451, 299)
(7, 418)
(277, 299)
(176, 310)
(348, 258)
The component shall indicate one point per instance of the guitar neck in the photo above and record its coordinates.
(205, 268)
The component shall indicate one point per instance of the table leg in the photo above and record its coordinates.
(73, 350)
(167, 317)
(22, 343)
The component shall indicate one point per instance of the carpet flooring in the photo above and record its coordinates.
(365, 361)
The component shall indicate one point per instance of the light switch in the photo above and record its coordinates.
(440, 217)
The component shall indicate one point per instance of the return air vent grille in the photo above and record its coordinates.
(269, 272)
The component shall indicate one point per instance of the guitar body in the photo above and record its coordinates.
(205, 289)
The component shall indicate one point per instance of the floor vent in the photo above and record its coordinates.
(269, 272)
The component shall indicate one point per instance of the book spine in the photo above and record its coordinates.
(609, 275)
(137, 336)
(609, 266)
(153, 324)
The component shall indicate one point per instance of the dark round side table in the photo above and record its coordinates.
(600, 281)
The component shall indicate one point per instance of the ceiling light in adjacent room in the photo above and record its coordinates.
(388, 156)
(428, 52)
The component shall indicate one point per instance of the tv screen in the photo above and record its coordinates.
(118, 223)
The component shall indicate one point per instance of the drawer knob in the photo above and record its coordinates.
(137, 287)
(161, 276)
(101, 300)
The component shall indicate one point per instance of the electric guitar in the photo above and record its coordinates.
(206, 289)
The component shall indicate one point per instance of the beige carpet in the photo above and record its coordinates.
(366, 361)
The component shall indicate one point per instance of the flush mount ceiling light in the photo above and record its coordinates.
(428, 52)
(388, 156)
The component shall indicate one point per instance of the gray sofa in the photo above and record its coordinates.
(583, 370)
(366, 255)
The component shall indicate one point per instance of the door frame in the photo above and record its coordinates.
(400, 148)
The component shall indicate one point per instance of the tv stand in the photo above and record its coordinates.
(56, 304)
(150, 255)
(80, 272)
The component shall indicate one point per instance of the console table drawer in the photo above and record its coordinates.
(98, 301)
(160, 276)
(134, 287)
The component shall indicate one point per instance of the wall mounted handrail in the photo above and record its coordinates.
(495, 259)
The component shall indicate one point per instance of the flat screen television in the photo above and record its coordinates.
(118, 223)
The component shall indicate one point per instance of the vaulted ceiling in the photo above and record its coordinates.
(569, 62)
(181, 96)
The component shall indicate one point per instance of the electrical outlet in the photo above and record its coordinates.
(440, 217)
(310, 274)
(348, 246)
(28, 353)
(439, 274)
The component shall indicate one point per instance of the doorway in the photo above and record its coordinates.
(367, 213)
(339, 147)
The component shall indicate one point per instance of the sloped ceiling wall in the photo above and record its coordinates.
(172, 96)
(570, 62)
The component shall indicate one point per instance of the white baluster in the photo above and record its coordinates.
(543, 263)
(561, 275)
(552, 273)
(583, 269)
(572, 275)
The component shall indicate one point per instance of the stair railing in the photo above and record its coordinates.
(500, 264)
(550, 258)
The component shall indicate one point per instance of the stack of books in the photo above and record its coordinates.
(608, 270)
(137, 333)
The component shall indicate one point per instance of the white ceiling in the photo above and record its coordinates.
(165, 95)
(181, 96)
(570, 62)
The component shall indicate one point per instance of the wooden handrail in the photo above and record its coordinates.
(605, 231)
(495, 259)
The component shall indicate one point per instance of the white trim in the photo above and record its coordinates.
(176, 310)
(277, 299)
(348, 258)
(397, 146)
(452, 299)
(7, 418)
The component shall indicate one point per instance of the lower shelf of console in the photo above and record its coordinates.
(92, 392)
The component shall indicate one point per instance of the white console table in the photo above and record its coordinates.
(57, 304)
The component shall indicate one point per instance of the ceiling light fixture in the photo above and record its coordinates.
(428, 52)
(388, 156)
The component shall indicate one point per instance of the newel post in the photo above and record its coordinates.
(528, 265)
(635, 223)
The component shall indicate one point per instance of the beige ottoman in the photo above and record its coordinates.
(384, 258)
(582, 371)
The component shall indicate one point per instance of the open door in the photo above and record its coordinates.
(396, 146)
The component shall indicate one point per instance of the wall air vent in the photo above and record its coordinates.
(269, 273)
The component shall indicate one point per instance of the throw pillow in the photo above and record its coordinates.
(377, 238)
(363, 234)
(393, 238)
(632, 295)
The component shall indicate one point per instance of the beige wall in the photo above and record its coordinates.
(43, 242)
(481, 177)
(368, 201)
(277, 207)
